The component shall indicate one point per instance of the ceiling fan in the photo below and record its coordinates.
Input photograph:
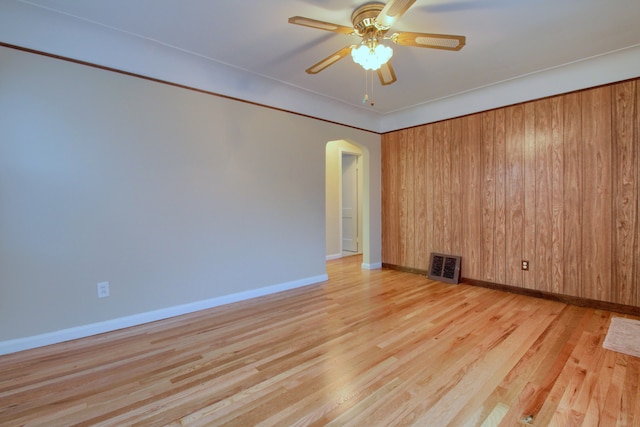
(372, 22)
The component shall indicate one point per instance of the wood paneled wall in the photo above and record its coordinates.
(552, 181)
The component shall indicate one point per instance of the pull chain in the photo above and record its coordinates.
(366, 95)
(366, 87)
(373, 101)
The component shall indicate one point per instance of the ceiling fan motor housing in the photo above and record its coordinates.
(364, 18)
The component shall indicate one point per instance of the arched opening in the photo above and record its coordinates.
(347, 201)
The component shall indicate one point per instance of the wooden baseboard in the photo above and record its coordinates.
(405, 269)
(567, 299)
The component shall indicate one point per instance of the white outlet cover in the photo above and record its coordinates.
(103, 289)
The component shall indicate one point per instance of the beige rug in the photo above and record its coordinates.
(623, 336)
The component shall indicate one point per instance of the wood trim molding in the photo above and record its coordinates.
(178, 85)
(404, 269)
(510, 105)
(566, 299)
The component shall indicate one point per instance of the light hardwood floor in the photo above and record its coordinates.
(366, 348)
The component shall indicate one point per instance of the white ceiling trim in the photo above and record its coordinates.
(54, 33)
(612, 67)
(43, 30)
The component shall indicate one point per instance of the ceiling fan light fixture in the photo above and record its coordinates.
(372, 22)
(371, 58)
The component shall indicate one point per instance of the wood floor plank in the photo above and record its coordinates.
(374, 348)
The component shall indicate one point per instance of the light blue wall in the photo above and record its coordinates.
(172, 195)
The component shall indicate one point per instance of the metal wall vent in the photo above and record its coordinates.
(444, 268)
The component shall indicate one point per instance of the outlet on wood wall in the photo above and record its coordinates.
(552, 181)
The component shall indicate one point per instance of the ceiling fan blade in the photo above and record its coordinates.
(386, 74)
(434, 41)
(329, 60)
(391, 11)
(320, 25)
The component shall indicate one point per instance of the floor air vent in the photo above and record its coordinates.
(444, 268)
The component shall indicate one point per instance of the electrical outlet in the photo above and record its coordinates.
(525, 265)
(103, 289)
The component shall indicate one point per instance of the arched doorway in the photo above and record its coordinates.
(340, 153)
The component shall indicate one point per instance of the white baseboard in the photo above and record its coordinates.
(334, 256)
(373, 266)
(20, 344)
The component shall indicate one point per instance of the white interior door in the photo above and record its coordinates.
(350, 240)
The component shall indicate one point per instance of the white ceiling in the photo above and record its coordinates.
(246, 49)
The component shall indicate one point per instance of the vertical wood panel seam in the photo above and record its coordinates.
(614, 143)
